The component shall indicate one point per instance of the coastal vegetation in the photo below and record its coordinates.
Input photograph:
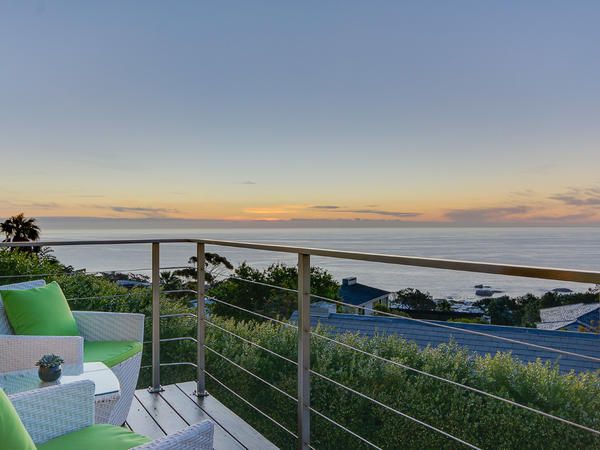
(524, 311)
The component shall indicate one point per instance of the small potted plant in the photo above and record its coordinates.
(50, 367)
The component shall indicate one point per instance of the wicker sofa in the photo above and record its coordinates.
(21, 352)
(69, 423)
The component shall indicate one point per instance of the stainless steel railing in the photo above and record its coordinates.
(304, 324)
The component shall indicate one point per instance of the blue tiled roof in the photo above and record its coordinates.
(424, 334)
(357, 294)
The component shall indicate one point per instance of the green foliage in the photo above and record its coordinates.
(264, 299)
(24, 266)
(480, 420)
(467, 320)
(524, 311)
(444, 306)
(415, 299)
(382, 308)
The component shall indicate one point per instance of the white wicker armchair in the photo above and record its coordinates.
(73, 410)
(21, 352)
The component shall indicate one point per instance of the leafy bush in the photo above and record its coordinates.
(18, 266)
(480, 420)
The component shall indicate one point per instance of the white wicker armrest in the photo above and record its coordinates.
(18, 352)
(107, 326)
(195, 437)
(56, 410)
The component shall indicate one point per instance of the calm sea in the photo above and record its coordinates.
(576, 248)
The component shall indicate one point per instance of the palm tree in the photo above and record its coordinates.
(20, 229)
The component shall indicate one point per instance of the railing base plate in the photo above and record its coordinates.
(201, 393)
(154, 390)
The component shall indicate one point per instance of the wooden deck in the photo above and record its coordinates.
(156, 415)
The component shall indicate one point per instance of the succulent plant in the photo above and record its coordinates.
(51, 360)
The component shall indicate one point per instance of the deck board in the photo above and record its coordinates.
(155, 415)
(141, 422)
(220, 414)
(161, 412)
(190, 412)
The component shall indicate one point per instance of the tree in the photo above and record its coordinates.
(500, 312)
(170, 282)
(415, 299)
(250, 290)
(21, 229)
(216, 265)
(444, 306)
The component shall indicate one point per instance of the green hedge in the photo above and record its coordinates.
(482, 421)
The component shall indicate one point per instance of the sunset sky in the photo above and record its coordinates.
(463, 112)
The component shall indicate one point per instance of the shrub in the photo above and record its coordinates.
(480, 420)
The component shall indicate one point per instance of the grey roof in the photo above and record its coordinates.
(562, 316)
(358, 294)
(567, 312)
(555, 325)
(424, 333)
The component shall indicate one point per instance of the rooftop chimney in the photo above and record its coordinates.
(349, 281)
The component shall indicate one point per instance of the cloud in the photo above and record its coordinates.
(377, 212)
(39, 205)
(380, 212)
(579, 197)
(562, 218)
(486, 215)
(247, 182)
(144, 212)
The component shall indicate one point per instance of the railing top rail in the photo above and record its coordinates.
(550, 273)
(96, 242)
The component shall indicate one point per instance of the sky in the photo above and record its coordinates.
(463, 112)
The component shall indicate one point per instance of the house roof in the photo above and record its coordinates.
(424, 333)
(357, 293)
(562, 316)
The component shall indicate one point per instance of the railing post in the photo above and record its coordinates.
(303, 351)
(156, 387)
(201, 316)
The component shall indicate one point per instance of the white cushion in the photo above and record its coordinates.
(4, 325)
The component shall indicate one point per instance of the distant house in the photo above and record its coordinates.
(362, 296)
(577, 317)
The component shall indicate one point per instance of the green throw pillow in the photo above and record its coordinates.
(42, 311)
(12, 432)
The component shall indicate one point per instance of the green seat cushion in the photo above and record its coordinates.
(12, 431)
(110, 353)
(42, 311)
(96, 437)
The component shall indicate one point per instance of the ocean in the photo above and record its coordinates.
(573, 248)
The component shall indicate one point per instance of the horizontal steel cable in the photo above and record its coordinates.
(281, 391)
(460, 385)
(212, 324)
(347, 430)
(400, 413)
(172, 364)
(95, 272)
(250, 404)
(435, 324)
